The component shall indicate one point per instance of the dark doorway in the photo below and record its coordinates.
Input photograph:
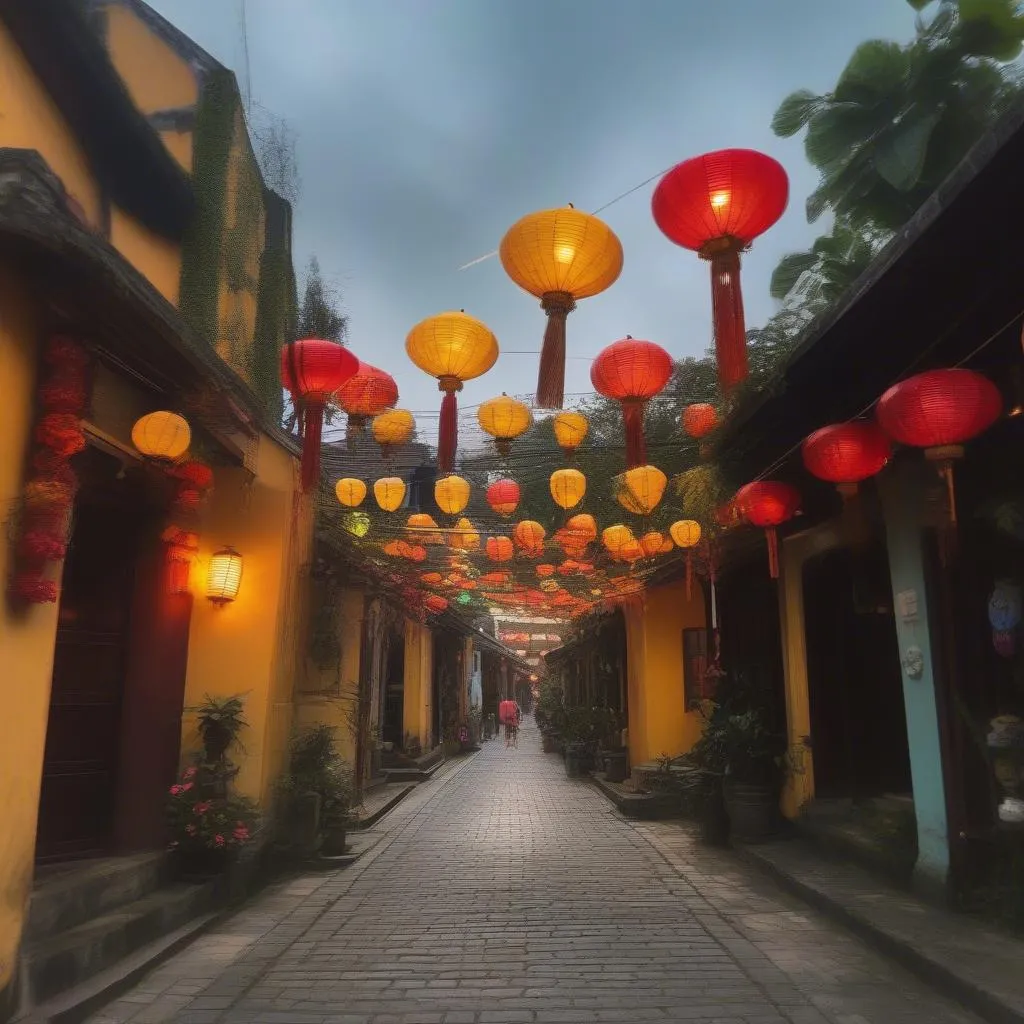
(79, 786)
(393, 727)
(858, 722)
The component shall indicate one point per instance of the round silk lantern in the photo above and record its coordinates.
(768, 504)
(162, 435)
(451, 494)
(499, 549)
(503, 496)
(392, 428)
(435, 604)
(632, 372)
(617, 539)
(504, 419)
(350, 492)
(570, 429)
(640, 489)
(453, 347)
(716, 205)
(463, 537)
(583, 525)
(389, 492)
(313, 370)
(529, 537)
(699, 420)
(423, 529)
(366, 393)
(545, 569)
(560, 256)
(567, 487)
(939, 411)
(846, 453)
(686, 534)
(651, 543)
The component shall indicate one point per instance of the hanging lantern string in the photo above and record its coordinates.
(600, 209)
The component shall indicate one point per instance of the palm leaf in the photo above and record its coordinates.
(795, 111)
(877, 69)
(788, 272)
(900, 157)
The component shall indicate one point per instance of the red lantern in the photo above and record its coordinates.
(503, 496)
(717, 204)
(699, 419)
(313, 370)
(632, 372)
(366, 393)
(768, 504)
(939, 410)
(435, 603)
(846, 453)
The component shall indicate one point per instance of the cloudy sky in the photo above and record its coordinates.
(426, 127)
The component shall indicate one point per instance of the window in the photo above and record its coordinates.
(696, 684)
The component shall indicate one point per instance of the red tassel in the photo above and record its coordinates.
(551, 374)
(448, 432)
(312, 432)
(636, 443)
(729, 324)
(773, 552)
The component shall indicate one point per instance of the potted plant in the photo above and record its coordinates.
(613, 754)
(220, 721)
(755, 767)
(581, 740)
(550, 715)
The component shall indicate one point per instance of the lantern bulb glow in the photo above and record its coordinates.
(224, 577)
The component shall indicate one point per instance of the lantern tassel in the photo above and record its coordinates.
(727, 314)
(773, 552)
(448, 432)
(312, 432)
(551, 374)
(636, 442)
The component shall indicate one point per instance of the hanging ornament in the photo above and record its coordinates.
(423, 529)
(356, 523)
(162, 435)
(567, 487)
(366, 393)
(639, 490)
(940, 410)
(453, 347)
(504, 419)
(462, 537)
(392, 428)
(464, 598)
(503, 497)
(617, 539)
(570, 429)
(686, 534)
(632, 372)
(499, 549)
(560, 256)
(768, 504)
(846, 453)
(716, 205)
(651, 542)
(699, 420)
(313, 370)
(389, 492)
(544, 569)
(435, 604)
(451, 494)
(529, 538)
(350, 492)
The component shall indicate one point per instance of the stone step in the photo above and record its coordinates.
(67, 895)
(62, 961)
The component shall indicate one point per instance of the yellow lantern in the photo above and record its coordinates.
(666, 546)
(162, 435)
(567, 487)
(616, 539)
(423, 529)
(350, 491)
(224, 577)
(504, 419)
(686, 533)
(453, 347)
(570, 430)
(640, 489)
(463, 537)
(561, 256)
(529, 537)
(392, 428)
(389, 492)
(356, 523)
(652, 542)
(451, 494)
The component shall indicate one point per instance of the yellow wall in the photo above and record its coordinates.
(658, 720)
(29, 119)
(418, 689)
(253, 646)
(156, 258)
(27, 640)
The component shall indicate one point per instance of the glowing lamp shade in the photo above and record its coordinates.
(652, 543)
(423, 529)
(529, 537)
(567, 487)
(632, 372)
(224, 577)
(846, 453)
(716, 205)
(350, 491)
(504, 419)
(583, 525)
(570, 429)
(499, 549)
(451, 494)
(560, 256)
(463, 537)
(640, 489)
(503, 496)
(699, 419)
(686, 534)
(162, 435)
(366, 393)
(768, 504)
(389, 492)
(617, 539)
(453, 347)
(392, 428)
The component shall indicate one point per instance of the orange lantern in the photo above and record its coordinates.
(432, 579)
(451, 494)
(453, 347)
(570, 430)
(560, 256)
(392, 428)
(389, 492)
(495, 579)
(435, 603)
(529, 537)
(640, 489)
(504, 419)
(686, 533)
(652, 542)
(544, 569)
(616, 539)
(499, 549)
(567, 487)
(367, 392)
(462, 537)
(699, 420)
(350, 492)
(583, 525)
(423, 528)
(503, 497)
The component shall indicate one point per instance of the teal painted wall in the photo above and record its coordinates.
(903, 487)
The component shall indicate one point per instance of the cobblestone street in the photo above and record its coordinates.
(499, 892)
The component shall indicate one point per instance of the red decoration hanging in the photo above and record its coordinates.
(313, 370)
(503, 497)
(632, 372)
(940, 410)
(366, 393)
(768, 504)
(699, 419)
(716, 205)
(846, 453)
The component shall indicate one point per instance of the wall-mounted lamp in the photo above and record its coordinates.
(224, 577)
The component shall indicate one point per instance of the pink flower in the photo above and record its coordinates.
(201, 808)
(189, 773)
(218, 840)
(241, 834)
(176, 790)
(186, 787)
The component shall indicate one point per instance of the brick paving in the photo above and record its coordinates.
(501, 892)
